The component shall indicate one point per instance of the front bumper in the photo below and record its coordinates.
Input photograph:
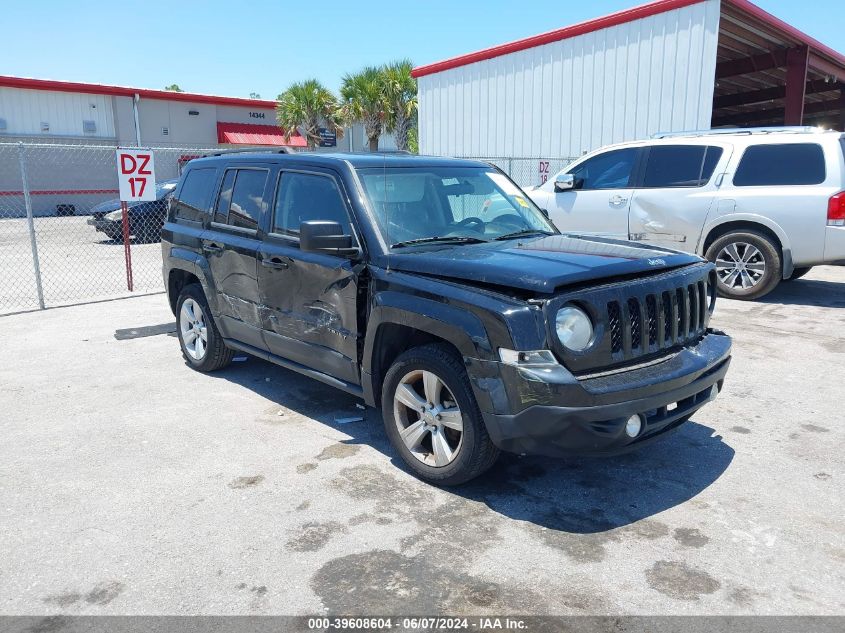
(834, 245)
(109, 227)
(554, 413)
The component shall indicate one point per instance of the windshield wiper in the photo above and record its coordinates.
(523, 233)
(447, 239)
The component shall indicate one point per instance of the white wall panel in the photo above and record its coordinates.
(24, 110)
(564, 98)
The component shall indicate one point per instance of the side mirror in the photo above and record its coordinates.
(324, 236)
(564, 182)
(545, 212)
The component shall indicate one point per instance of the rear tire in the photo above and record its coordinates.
(748, 264)
(446, 444)
(200, 340)
(798, 273)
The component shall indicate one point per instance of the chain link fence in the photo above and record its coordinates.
(61, 235)
(527, 172)
(61, 230)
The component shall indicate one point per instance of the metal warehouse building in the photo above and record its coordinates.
(44, 110)
(670, 65)
(69, 128)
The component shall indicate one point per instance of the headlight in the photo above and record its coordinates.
(114, 215)
(574, 328)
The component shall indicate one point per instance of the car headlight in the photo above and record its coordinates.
(114, 215)
(574, 328)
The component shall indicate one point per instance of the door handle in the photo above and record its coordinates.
(617, 200)
(274, 262)
(212, 248)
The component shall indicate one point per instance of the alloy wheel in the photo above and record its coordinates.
(428, 418)
(740, 265)
(193, 328)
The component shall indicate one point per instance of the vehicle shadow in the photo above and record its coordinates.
(575, 495)
(808, 292)
(581, 495)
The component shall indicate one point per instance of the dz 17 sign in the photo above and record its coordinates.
(136, 175)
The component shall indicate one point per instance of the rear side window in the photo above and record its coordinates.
(241, 198)
(195, 195)
(221, 209)
(302, 197)
(247, 198)
(680, 165)
(785, 164)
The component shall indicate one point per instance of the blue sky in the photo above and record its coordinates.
(234, 48)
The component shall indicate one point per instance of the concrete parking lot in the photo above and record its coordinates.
(131, 484)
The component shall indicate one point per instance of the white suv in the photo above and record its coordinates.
(764, 204)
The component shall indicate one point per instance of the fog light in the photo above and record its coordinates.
(633, 426)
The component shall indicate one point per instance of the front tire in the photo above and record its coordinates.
(432, 419)
(748, 264)
(200, 340)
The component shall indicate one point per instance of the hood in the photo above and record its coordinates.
(105, 207)
(163, 189)
(540, 264)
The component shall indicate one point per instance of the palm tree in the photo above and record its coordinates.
(401, 95)
(308, 105)
(364, 100)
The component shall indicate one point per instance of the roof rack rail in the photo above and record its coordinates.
(364, 152)
(792, 129)
(240, 150)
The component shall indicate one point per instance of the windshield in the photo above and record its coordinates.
(461, 204)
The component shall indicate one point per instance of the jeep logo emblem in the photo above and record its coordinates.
(656, 262)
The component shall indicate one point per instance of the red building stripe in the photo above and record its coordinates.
(60, 192)
(122, 91)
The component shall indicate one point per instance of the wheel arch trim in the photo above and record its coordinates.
(191, 262)
(747, 221)
(460, 328)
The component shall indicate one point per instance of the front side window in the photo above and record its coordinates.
(610, 170)
(784, 164)
(680, 165)
(477, 204)
(303, 197)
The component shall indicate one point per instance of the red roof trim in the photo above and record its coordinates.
(614, 19)
(255, 134)
(122, 91)
(775, 22)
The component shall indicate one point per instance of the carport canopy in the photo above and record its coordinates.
(252, 134)
(770, 73)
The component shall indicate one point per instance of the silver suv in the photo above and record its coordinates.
(764, 204)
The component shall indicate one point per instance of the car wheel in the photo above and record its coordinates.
(798, 273)
(748, 264)
(432, 419)
(201, 342)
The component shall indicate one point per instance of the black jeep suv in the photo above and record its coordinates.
(435, 289)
